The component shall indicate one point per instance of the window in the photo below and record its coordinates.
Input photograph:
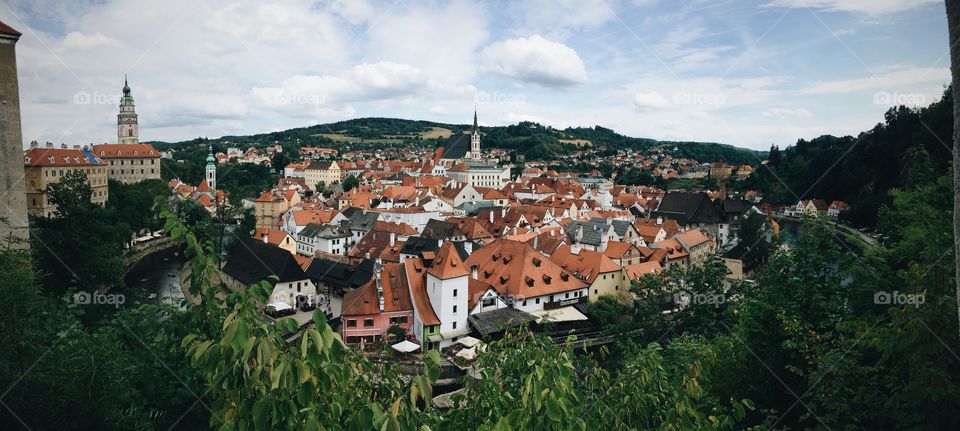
(352, 323)
(454, 295)
(490, 301)
(454, 309)
(524, 302)
(367, 323)
(566, 295)
(538, 300)
(454, 325)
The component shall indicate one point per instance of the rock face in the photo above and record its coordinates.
(13, 198)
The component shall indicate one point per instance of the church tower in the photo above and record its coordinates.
(128, 132)
(211, 171)
(475, 139)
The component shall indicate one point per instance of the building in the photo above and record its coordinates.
(326, 172)
(370, 310)
(277, 238)
(604, 276)
(270, 207)
(13, 203)
(332, 239)
(128, 129)
(47, 165)
(129, 163)
(469, 166)
(253, 261)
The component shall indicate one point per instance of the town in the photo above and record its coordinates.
(457, 215)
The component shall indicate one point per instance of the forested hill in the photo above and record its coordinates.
(532, 140)
(910, 146)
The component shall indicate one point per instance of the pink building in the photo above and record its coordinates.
(371, 309)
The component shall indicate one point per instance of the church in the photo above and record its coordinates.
(461, 160)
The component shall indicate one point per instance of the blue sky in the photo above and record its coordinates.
(748, 73)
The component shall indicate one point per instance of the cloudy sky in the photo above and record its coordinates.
(740, 72)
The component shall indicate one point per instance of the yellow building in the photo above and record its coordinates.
(603, 275)
(270, 207)
(45, 166)
(322, 172)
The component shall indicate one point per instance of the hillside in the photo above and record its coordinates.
(912, 145)
(532, 140)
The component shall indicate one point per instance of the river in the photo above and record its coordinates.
(156, 278)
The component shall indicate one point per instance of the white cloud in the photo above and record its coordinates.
(77, 40)
(895, 80)
(365, 82)
(872, 7)
(649, 101)
(559, 18)
(535, 60)
(787, 113)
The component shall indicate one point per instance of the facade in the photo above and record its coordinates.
(128, 129)
(479, 174)
(603, 275)
(322, 172)
(370, 310)
(13, 204)
(45, 166)
(129, 163)
(323, 238)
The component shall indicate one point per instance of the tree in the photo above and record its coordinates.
(78, 224)
(350, 182)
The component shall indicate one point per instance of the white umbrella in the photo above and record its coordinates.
(406, 346)
(468, 341)
(468, 354)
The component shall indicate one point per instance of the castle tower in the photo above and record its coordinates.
(128, 131)
(211, 171)
(13, 195)
(475, 139)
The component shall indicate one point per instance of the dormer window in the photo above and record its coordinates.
(536, 262)
(529, 281)
(547, 279)
(564, 276)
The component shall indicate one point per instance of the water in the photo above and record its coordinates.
(156, 278)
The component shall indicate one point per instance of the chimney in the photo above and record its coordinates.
(33, 144)
(393, 239)
(377, 270)
(491, 215)
(473, 272)
(264, 238)
(63, 146)
(76, 147)
(575, 248)
(49, 144)
(659, 221)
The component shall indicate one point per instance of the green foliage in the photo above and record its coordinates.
(861, 170)
(608, 310)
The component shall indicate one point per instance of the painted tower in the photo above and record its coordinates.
(13, 195)
(128, 131)
(211, 171)
(475, 139)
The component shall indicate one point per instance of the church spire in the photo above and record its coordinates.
(474, 119)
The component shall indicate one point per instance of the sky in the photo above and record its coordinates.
(747, 73)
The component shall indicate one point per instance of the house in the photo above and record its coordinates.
(809, 207)
(459, 194)
(253, 261)
(637, 271)
(742, 261)
(698, 246)
(589, 235)
(603, 275)
(689, 209)
(326, 172)
(523, 278)
(336, 278)
(323, 238)
(370, 310)
(623, 253)
(443, 230)
(271, 205)
(835, 208)
(276, 238)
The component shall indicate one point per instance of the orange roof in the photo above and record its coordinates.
(305, 217)
(113, 151)
(447, 264)
(692, 238)
(204, 200)
(639, 270)
(56, 157)
(396, 296)
(517, 270)
(274, 236)
(617, 249)
(587, 264)
(203, 187)
(418, 291)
